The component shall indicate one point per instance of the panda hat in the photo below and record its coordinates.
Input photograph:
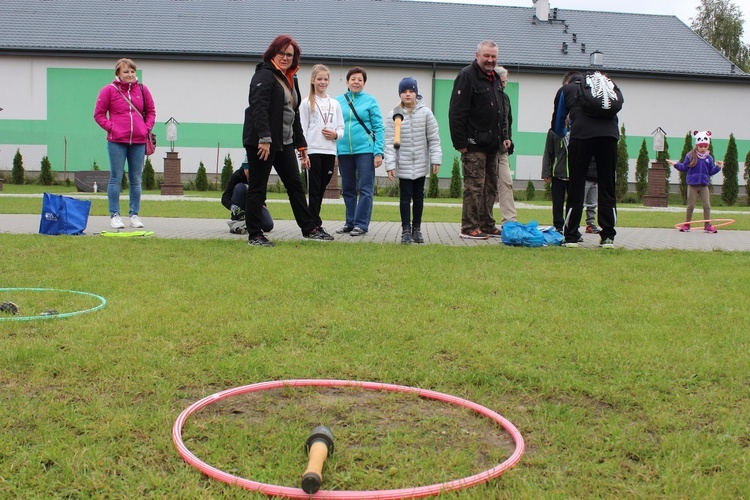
(702, 138)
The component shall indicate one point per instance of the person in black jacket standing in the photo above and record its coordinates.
(590, 137)
(271, 133)
(479, 130)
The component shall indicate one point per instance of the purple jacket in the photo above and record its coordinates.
(117, 117)
(700, 173)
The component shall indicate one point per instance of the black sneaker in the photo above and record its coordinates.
(260, 241)
(344, 230)
(416, 235)
(406, 236)
(318, 234)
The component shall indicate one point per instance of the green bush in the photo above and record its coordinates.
(686, 148)
(95, 167)
(641, 172)
(201, 179)
(45, 177)
(433, 189)
(456, 187)
(149, 177)
(226, 172)
(621, 166)
(18, 174)
(277, 187)
(530, 191)
(730, 190)
(747, 177)
(548, 191)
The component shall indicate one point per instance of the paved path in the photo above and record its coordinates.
(442, 233)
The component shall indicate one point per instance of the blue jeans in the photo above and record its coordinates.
(357, 176)
(118, 153)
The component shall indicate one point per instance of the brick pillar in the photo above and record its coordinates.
(656, 196)
(172, 184)
(332, 190)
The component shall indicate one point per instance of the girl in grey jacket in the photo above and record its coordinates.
(412, 149)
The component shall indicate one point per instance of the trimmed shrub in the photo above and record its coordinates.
(433, 189)
(18, 174)
(45, 176)
(530, 191)
(149, 176)
(201, 179)
(687, 146)
(621, 166)
(730, 190)
(641, 172)
(662, 157)
(226, 172)
(747, 177)
(456, 187)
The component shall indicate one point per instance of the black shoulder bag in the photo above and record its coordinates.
(367, 130)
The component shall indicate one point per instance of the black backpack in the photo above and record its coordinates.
(599, 96)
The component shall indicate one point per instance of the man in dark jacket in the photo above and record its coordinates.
(479, 130)
(590, 137)
(233, 199)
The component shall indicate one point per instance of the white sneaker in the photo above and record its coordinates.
(135, 221)
(116, 222)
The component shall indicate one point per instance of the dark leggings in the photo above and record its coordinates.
(411, 190)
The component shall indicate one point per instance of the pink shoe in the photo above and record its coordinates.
(685, 228)
(710, 229)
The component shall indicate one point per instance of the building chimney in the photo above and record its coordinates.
(542, 9)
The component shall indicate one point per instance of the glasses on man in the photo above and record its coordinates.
(286, 55)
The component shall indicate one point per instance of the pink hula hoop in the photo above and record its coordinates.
(282, 491)
(721, 222)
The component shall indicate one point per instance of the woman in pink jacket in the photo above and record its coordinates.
(125, 109)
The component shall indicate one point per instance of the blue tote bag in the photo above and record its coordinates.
(63, 215)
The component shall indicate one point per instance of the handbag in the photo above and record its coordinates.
(64, 215)
(351, 105)
(150, 136)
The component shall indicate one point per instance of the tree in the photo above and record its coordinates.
(456, 187)
(226, 172)
(621, 167)
(747, 177)
(18, 174)
(149, 176)
(641, 172)
(720, 23)
(530, 191)
(201, 179)
(662, 157)
(730, 189)
(45, 177)
(433, 190)
(686, 148)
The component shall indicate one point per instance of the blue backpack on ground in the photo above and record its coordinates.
(522, 235)
(64, 215)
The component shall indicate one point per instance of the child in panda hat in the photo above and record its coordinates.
(699, 166)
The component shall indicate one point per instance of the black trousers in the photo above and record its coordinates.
(285, 163)
(411, 190)
(580, 152)
(319, 175)
(558, 190)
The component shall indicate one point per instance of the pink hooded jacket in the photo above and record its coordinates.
(117, 117)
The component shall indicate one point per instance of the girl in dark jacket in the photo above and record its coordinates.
(271, 134)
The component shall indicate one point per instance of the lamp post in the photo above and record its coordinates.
(172, 184)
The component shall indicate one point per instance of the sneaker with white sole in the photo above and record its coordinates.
(135, 221)
(607, 243)
(116, 222)
(569, 244)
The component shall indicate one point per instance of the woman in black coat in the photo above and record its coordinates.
(271, 134)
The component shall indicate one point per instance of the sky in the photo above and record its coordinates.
(683, 9)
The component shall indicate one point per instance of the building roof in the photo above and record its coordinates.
(397, 32)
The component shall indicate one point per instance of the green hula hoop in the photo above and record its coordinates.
(102, 303)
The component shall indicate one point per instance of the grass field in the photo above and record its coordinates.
(625, 371)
